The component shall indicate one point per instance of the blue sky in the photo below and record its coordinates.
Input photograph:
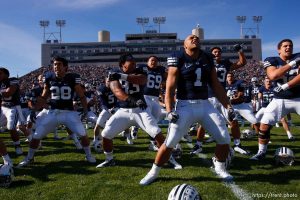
(21, 35)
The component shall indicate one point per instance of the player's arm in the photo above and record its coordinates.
(240, 63)
(9, 91)
(116, 88)
(79, 91)
(293, 82)
(260, 98)
(139, 79)
(275, 73)
(42, 100)
(219, 90)
(171, 87)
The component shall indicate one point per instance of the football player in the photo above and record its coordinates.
(223, 67)
(283, 70)
(191, 71)
(108, 104)
(60, 86)
(10, 106)
(265, 96)
(156, 76)
(128, 87)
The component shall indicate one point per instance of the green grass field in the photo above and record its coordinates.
(60, 172)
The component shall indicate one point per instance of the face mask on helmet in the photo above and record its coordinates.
(6, 175)
(184, 191)
(284, 155)
(247, 134)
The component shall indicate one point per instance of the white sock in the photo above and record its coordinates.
(109, 155)
(155, 169)
(87, 151)
(199, 143)
(262, 148)
(289, 134)
(6, 159)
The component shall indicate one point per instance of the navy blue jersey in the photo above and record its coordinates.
(154, 79)
(255, 91)
(222, 69)
(62, 90)
(134, 90)
(15, 98)
(293, 92)
(34, 94)
(194, 75)
(233, 89)
(267, 95)
(247, 91)
(107, 98)
(24, 100)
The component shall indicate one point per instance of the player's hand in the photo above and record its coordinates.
(172, 117)
(231, 114)
(114, 76)
(32, 116)
(280, 87)
(237, 47)
(83, 115)
(141, 104)
(295, 62)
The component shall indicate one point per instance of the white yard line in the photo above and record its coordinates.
(236, 190)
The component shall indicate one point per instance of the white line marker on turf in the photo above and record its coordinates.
(236, 190)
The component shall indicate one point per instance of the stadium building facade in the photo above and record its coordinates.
(105, 52)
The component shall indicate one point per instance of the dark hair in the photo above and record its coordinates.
(5, 71)
(216, 48)
(282, 41)
(60, 59)
(125, 57)
(153, 56)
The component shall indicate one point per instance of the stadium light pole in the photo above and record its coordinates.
(159, 21)
(44, 24)
(142, 21)
(241, 20)
(60, 23)
(257, 20)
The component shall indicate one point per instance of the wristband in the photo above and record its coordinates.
(124, 76)
(285, 86)
(292, 63)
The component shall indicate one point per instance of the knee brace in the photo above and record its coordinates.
(265, 135)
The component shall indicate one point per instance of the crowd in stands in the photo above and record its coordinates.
(95, 74)
(91, 74)
(253, 68)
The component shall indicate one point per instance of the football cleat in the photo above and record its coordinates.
(149, 178)
(97, 146)
(220, 169)
(174, 163)
(240, 149)
(25, 162)
(292, 138)
(90, 159)
(19, 150)
(107, 163)
(259, 156)
(196, 149)
(152, 146)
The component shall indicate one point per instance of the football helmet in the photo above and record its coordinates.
(254, 79)
(284, 155)
(6, 175)
(184, 191)
(247, 134)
